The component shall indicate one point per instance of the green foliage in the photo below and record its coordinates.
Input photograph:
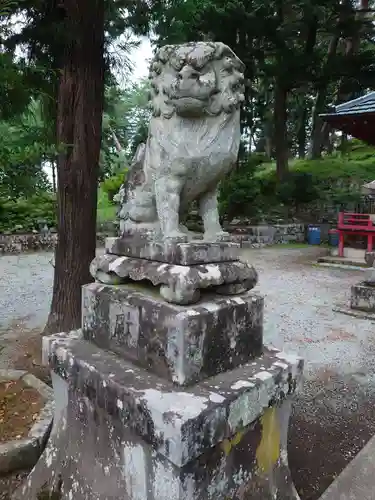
(297, 188)
(333, 181)
(27, 214)
(240, 190)
(25, 144)
(111, 186)
(125, 125)
(106, 210)
(14, 94)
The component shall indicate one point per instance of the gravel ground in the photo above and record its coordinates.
(333, 416)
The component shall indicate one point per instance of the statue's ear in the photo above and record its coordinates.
(223, 50)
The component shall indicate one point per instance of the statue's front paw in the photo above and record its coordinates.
(218, 236)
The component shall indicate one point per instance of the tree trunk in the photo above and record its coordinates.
(281, 131)
(116, 141)
(311, 38)
(344, 144)
(352, 45)
(329, 142)
(301, 132)
(54, 187)
(79, 123)
(320, 101)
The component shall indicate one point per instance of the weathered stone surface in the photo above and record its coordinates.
(363, 297)
(126, 434)
(182, 344)
(183, 254)
(193, 141)
(370, 258)
(179, 284)
(370, 273)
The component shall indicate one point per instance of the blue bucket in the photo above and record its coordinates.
(313, 235)
(333, 237)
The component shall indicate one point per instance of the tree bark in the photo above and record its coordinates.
(352, 45)
(54, 186)
(79, 123)
(320, 101)
(281, 131)
(301, 132)
(116, 141)
(311, 38)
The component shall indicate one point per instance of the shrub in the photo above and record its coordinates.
(240, 189)
(27, 214)
(112, 185)
(297, 189)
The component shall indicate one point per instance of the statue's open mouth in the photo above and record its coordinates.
(188, 106)
(195, 101)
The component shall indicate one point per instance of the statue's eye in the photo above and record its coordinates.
(228, 64)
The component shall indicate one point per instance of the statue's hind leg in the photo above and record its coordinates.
(208, 209)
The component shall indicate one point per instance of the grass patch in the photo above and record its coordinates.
(290, 245)
(358, 164)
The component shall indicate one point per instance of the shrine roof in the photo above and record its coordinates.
(364, 104)
(356, 118)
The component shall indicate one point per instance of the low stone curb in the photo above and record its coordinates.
(356, 482)
(21, 454)
(354, 313)
(340, 266)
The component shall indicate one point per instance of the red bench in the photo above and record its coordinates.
(359, 224)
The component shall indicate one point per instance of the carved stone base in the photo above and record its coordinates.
(121, 433)
(178, 284)
(181, 344)
(183, 254)
(363, 297)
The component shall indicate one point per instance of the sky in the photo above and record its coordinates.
(140, 58)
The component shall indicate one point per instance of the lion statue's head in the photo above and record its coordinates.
(196, 79)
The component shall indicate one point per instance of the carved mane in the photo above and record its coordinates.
(219, 65)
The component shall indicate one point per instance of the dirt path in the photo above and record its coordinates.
(335, 414)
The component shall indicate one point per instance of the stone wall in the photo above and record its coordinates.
(247, 236)
(257, 236)
(33, 242)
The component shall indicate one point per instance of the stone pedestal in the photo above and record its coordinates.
(158, 401)
(179, 343)
(120, 432)
(363, 297)
(162, 401)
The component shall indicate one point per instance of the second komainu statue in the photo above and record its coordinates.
(193, 141)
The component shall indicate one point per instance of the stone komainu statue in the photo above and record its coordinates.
(193, 141)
